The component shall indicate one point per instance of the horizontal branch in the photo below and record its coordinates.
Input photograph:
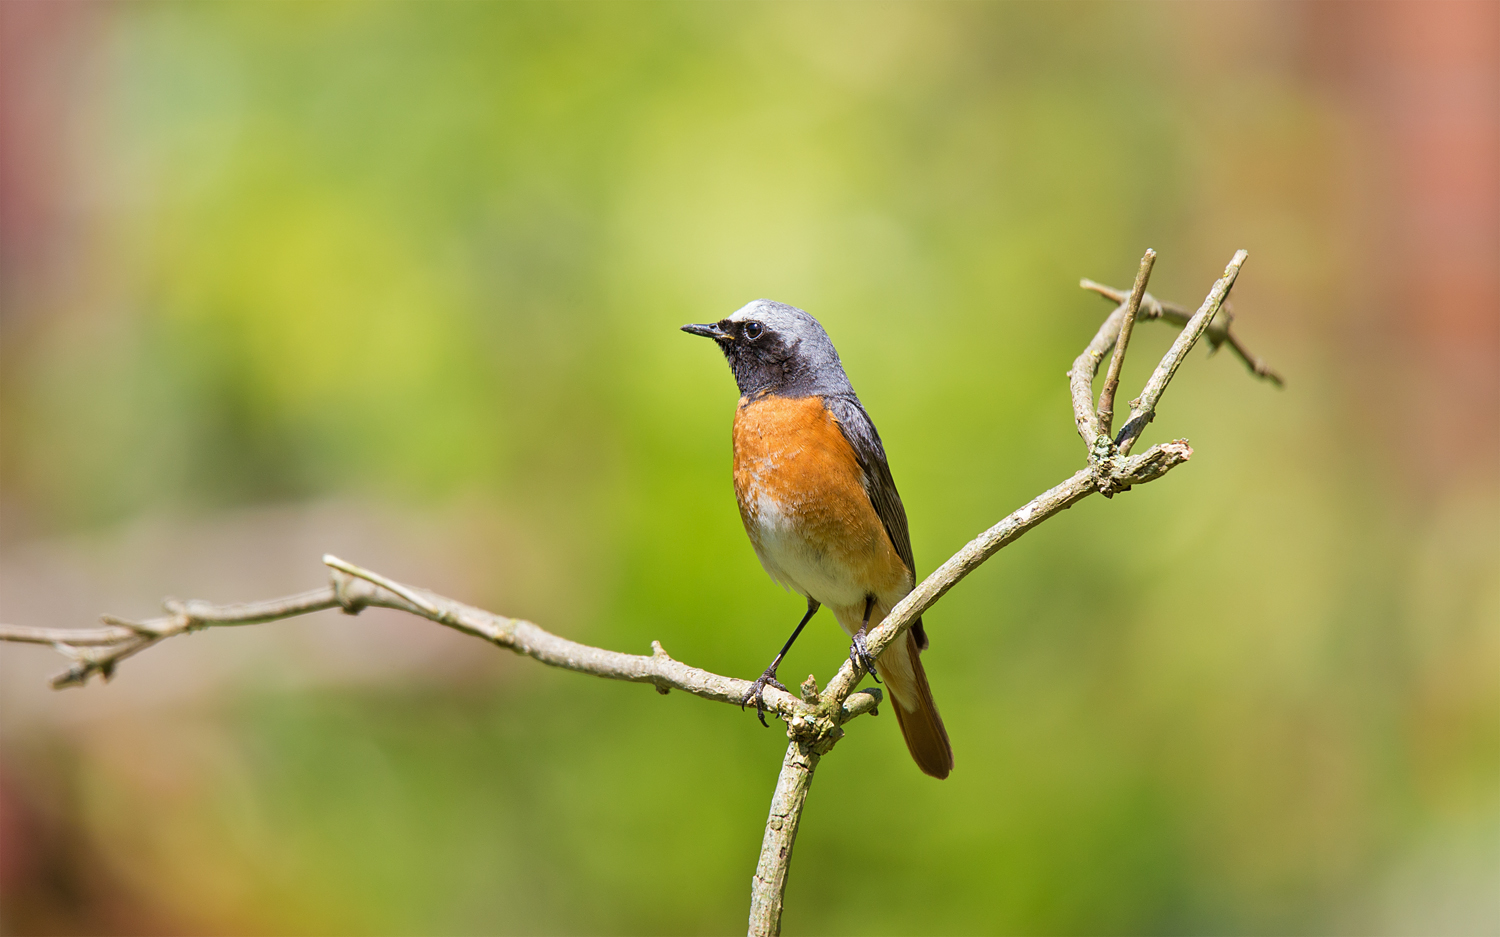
(77, 637)
(99, 650)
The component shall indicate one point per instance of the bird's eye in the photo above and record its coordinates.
(753, 330)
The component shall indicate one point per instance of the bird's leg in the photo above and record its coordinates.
(758, 688)
(859, 652)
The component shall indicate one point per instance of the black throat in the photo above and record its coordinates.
(770, 368)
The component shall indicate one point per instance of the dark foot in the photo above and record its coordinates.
(757, 693)
(859, 653)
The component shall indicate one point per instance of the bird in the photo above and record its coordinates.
(819, 504)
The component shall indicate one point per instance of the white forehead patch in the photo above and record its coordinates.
(751, 310)
(793, 324)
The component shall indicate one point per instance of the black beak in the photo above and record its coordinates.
(707, 330)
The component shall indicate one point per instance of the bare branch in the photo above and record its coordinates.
(1143, 408)
(75, 637)
(1111, 470)
(1219, 332)
(99, 650)
(768, 887)
(1136, 470)
(1112, 378)
(1081, 378)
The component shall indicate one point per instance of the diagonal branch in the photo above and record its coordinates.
(1111, 470)
(1137, 470)
(1143, 408)
(1112, 378)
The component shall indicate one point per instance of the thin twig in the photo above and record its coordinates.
(1112, 378)
(1220, 330)
(422, 605)
(1081, 378)
(74, 637)
(100, 650)
(1143, 408)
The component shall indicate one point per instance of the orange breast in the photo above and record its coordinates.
(802, 498)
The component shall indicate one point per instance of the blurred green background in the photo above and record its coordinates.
(402, 282)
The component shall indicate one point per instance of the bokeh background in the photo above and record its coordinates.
(402, 282)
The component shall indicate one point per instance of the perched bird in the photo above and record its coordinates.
(819, 504)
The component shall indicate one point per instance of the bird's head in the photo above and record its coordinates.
(775, 348)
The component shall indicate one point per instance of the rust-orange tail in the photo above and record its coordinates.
(900, 666)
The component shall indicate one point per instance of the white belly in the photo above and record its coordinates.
(795, 561)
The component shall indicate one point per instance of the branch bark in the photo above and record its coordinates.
(1111, 470)
(768, 889)
(814, 722)
(99, 650)
(1143, 408)
(1112, 378)
(1220, 330)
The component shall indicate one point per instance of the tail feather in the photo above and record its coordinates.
(900, 666)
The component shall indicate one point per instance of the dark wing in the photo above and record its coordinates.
(856, 426)
(879, 485)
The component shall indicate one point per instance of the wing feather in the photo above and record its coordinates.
(859, 429)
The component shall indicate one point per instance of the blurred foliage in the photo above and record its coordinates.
(419, 253)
